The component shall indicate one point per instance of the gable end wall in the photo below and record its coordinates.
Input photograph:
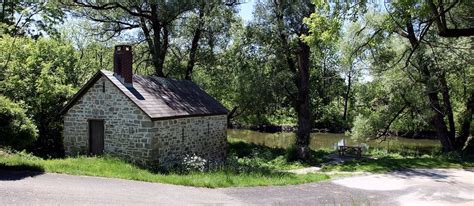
(128, 130)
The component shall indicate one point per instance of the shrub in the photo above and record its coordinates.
(16, 129)
(193, 162)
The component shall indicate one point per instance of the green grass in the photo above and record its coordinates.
(272, 158)
(385, 162)
(252, 166)
(247, 165)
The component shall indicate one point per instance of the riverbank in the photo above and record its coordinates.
(269, 128)
(392, 154)
(326, 141)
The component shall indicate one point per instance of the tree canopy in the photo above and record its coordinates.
(372, 70)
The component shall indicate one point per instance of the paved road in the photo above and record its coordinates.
(411, 187)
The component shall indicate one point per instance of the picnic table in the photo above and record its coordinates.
(343, 149)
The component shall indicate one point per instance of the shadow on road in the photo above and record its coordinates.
(12, 173)
(408, 173)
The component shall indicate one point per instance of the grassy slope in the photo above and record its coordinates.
(260, 166)
(113, 167)
(252, 165)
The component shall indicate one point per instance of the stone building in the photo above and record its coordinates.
(144, 119)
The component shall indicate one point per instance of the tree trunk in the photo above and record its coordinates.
(438, 117)
(348, 91)
(431, 92)
(230, 116)
(303, 106)
(157, 53)
(157, 62)
(462, 140)
(448, 107)
(468, 149)
(301, 79)
(163, 50)
(194, 46)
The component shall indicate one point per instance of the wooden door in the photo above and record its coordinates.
(96, 137)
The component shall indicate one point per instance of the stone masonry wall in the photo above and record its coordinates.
(128, 130)
(201, 136)
(131, 134)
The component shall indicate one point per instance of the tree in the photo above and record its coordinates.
(29, 18)
(433, 77)
(420, 60)
(39, 74)
(247, 79)
(338, 58)
(351, 60)
(446, 14)
(155, 21)
(18, 131)
(284, 19)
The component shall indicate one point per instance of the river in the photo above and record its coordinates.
(327, 141)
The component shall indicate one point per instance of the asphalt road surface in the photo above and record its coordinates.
(409, 187)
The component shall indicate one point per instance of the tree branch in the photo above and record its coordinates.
(115, 5)
(440, 19)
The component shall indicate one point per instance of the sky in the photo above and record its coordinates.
(246, 9)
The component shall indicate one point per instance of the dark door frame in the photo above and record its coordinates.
(90, 134)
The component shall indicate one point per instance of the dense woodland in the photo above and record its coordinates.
(369, 69)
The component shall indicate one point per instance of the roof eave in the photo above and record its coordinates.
(186, 116)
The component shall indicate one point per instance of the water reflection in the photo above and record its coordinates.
(327, 140)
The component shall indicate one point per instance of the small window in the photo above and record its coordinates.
(103, 86)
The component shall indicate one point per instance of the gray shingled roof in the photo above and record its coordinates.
(162, 98)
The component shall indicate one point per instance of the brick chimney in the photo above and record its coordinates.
(123, 64)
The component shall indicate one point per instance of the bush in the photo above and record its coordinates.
(193, 163)
(16, 129)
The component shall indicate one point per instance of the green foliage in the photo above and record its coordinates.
(16, 130)
(252, 74)
(364, 128)
(283, 116)
(361, 74)
(389, 104)
(324, 28)
(396, 100)
(42, 74)
(34, 19)
(246, 79)
(329, 116)
(253, 155)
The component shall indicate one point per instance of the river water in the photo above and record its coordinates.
(327, 141)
